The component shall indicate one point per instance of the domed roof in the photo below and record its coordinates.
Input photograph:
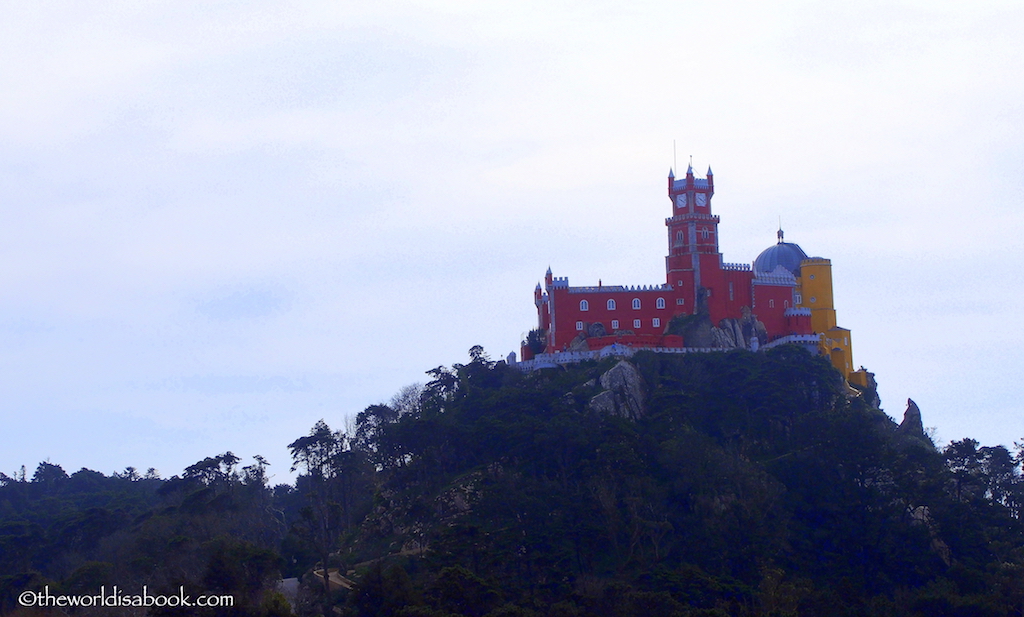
(785, 254)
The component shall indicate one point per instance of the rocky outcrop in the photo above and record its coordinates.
(458, 499)
(869, 392)
(912, 424)
(729, 334)
(623, 393)
(579, 343)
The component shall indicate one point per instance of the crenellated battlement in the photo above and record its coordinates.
(816, 261)
(618, 288)
(736, 267)
(696, 216)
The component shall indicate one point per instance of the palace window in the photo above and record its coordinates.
(680, 301)
(771, 304)
(584, 305)
(636, 323)
(636, 303)
(579, 325)
(731, 292)
(704, 233)
(799, 299)
(660, 303)
(611, 305)
(785, 303)
(615, 323)
(656, 322)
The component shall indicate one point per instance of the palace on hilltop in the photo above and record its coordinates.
(704, 304)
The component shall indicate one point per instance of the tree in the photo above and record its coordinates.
(212, 470)
(320, 455)
(965, 462)
(49, 475)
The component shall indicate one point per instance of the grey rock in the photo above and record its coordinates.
(623, 392)
(579, 344)
(912, 424)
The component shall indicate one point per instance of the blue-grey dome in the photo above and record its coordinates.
(785, 254)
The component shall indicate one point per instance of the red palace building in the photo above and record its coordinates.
(783, 297)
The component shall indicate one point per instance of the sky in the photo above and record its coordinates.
(223, 221)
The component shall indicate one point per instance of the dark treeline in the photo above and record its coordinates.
(749, 484)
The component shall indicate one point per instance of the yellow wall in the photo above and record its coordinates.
(814, 288)
(859, 377)
(837, 344)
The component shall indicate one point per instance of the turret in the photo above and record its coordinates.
(711, 180)
(548, 278)
(671, 179)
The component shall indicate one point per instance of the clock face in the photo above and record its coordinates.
(702, 199)
(681, 201)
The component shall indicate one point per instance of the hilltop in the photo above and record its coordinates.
(730, 483)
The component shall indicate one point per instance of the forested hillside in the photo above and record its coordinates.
(704, 484)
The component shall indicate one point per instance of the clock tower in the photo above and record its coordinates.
(692, 233)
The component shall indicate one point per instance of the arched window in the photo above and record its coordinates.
(584, 305)
(771, 304)
(636, 323)
(636, 303)
(679, 237)
(615, 324)
(660, 303)
(579, 325)
(611, 305)
(704, 233)
(785, 304)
